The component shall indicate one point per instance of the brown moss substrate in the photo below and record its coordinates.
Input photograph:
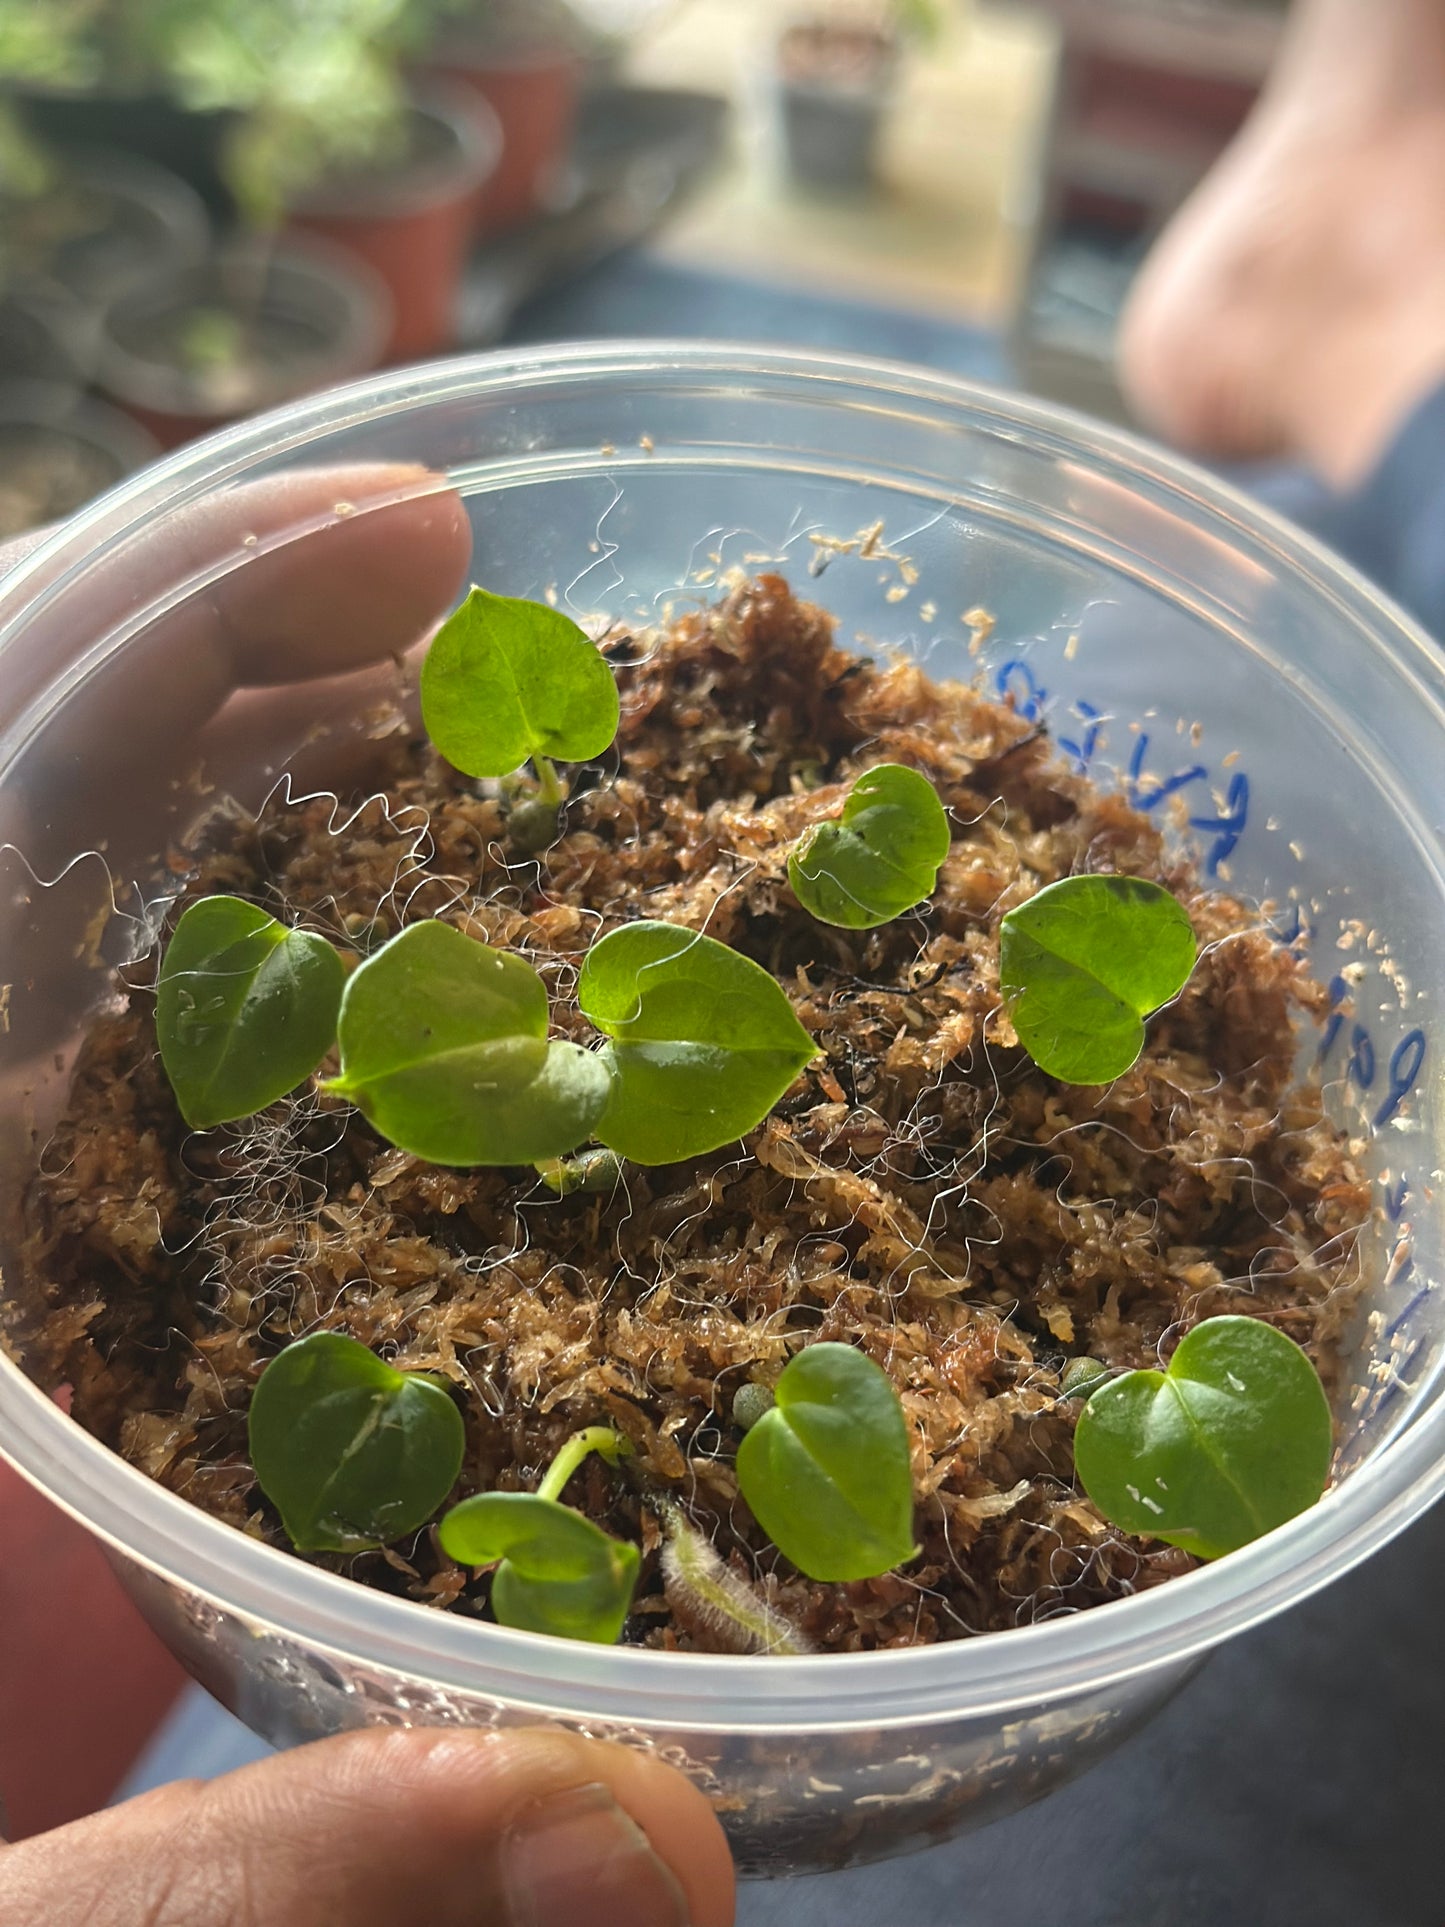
(922, 1191)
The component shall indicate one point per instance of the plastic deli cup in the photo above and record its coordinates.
(1178, 641)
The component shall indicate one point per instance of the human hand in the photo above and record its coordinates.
(256, 616)
(528, 1828)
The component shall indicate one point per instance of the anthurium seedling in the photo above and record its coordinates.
(246, 1008)
(444, 1047)
(350, 1451)
(1083, 963)
(1231, 1441)
(507, 680)
(879, 857)
(825, 1471)
(558, 1572)
(703, 1041)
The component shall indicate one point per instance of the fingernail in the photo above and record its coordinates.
(577, 1860)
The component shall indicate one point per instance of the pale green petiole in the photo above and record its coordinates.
(593, 1438)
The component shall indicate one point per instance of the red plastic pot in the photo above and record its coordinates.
(411, 223)
(316, 317)
(532, 94)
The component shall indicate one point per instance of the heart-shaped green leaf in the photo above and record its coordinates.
(559, 1574)
(506, 679)
(245, 1009)
(1231, 1441)
(351, 1452)
(826, 1470)
(1083, 963)
(880, 856)
(444, 1048)
(704, 1041)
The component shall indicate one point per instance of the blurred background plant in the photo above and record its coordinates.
(309, 85)
(315, 85)
(207, 206)
(915, 19)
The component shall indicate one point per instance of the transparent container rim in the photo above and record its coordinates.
(994, 1673)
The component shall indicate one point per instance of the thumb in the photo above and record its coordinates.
(533, 1828)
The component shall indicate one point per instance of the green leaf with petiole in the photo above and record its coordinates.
(879, 857)
(1083, 963)
(246, 1008)
(826, 1471)
(558, 1573)
(1231, 1441)
(444, 1048)
(505, 680)
(351, 1452)
(703, 1040)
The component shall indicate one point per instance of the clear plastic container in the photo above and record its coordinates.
(1184, 642)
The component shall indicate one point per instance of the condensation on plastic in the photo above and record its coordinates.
(1176, 639)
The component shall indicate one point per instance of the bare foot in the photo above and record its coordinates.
(1296, 304)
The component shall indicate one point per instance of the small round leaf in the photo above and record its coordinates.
(506, 679)
(704, 1041)
(245, 1009)
(1231, 1441)
(560, 1573)
(879, 857)
(351, 1452)
(444, 1048)
(1083, 963)
(826, 1471)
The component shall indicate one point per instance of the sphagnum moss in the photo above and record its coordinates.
(920, 1192)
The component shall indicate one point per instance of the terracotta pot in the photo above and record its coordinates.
(412, 223)
(315, 316)
(533, 94)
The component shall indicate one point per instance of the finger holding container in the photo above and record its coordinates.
(252, 628)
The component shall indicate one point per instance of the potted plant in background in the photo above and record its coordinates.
(835, 75)
(255, 324)
(222, 94)
(306, 117)
(327, 138)
(408, 212)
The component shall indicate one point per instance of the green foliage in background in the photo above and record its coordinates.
(315, 84)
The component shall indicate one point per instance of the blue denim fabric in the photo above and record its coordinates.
(1393, 526)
